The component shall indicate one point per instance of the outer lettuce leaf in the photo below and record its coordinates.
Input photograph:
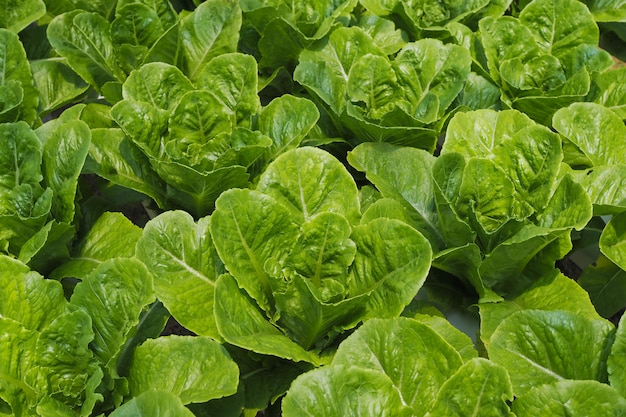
(486, 387)
(246, 242)
(21, 13)
(121, 285)
(391, 265)
(607, 89)
(408, 353)
(606, 284)
(333, 391)
(196, 369)
(211, 30)
(308, 182)
(392, 170)
(115, 157)
(57, 84)
(181, 256)
(242, 324)
(595, 131)
(18, 95)
(151, 403)
(84, 40)
(455, 337)
(566, 398)
(100, 245)
(546, 297)
(616, 363)
(65, 149)
(613, 240)
(575, 348)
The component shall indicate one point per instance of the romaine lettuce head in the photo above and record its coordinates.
(301, 261)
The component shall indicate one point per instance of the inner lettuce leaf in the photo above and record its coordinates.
(205, 137)
(309, 267)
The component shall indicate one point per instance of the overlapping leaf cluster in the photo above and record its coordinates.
(312, 191)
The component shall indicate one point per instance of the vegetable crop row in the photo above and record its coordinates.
(264, 208)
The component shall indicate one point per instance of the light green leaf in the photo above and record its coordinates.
(486, 387)
(408, 353)
(372, 81)
(391, 265)
(325, 71)
(198, 117)
(616, 363)
(383, 31)
(84, 40)
(529, 153)
(111, 236)
(241, 323)
(431, 75)
(18, 14)
(487, 194)
(159, 84)
(613, 240)
(308, 181)
(114, 157)
(323, 249)
(196, 369)
(574, 348)
(595, 130)
(608, 88)
(26, 297)
(16, 73)
(212, 29)
(425, 14)
(392, 170)
(455, 337)
(548, 297)
(606, 186)
(570, 398)
(65, 150)
(143, 123)
(287, 120)
(233, 80)
(136, 24)
(153, 403)
(167, 49)
(123, 285)
(339, 390)
(249, 228)
(58, 84)
(569, 207)
(20, 158)
(606, 284)
(180, 254)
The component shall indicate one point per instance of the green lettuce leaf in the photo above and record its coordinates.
(409, 354)
(180, 255)
(120, 284)
(575, 348)
(486, 387)
(151, 403)
(613, 240)
(212, 29)
(566, 398)
(21, 13)
(333, 391)
(616, 363)
(18, 96)
(606, 284)
(196, 369)
(84, 40)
